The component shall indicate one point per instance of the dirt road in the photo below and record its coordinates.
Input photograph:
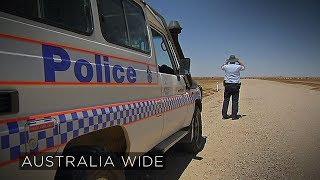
(278, 138)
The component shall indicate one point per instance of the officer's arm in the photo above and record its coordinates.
(222, 67)
(242, 64)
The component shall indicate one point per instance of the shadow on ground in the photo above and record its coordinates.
(176, 161)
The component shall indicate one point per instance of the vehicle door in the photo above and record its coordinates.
(123, 23)
(173, 87)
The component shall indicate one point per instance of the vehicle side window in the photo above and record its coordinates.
(74, 15)
(162, 55)
(123, 23)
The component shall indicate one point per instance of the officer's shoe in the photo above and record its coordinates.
(226, 117)
(236, 117)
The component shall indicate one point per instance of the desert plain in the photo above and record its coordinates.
(278, 136)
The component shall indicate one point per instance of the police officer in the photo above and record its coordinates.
(232, 68)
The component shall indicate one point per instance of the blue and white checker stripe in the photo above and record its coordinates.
(15, 135)
(13, 140)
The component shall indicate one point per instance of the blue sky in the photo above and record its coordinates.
(273, 37)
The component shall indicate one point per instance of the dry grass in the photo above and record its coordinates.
(208, 84)
(313, 82)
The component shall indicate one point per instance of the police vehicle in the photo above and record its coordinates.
(91, 75)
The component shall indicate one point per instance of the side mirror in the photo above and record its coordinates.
(185, 71)
(184, 66)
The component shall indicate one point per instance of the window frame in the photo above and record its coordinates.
(105, 35)
(169, 50)
(57, 25)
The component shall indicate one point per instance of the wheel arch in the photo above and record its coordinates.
(113, 139)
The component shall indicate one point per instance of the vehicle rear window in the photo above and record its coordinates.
(73, 15)
(123, 23)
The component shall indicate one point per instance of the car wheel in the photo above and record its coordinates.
(195, 133)
(82, 174)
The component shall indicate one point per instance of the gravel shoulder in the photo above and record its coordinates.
(278, 137)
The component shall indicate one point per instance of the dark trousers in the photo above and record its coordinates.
(231, 90)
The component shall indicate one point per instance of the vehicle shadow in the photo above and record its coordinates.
(176, 161)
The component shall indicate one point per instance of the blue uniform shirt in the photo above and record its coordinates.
(232, 72)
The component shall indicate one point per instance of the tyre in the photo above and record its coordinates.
(98, 174)
(195, 133)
